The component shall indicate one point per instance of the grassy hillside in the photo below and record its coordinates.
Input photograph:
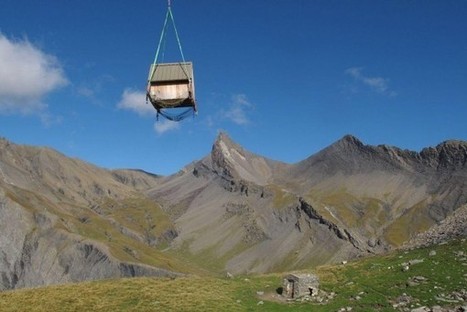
(406, 279)
(132, 228)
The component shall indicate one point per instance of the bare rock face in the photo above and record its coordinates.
(230, 160)
(445, 156)
(15, 224)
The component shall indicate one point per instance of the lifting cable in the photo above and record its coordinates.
(168, 15)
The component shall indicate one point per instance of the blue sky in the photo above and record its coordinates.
(284, 78)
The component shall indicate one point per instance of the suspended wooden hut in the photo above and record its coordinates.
(171, 85)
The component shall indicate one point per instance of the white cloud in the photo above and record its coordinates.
(136, 101)
(378, 84)
(92, 89)
(164, 125)
(26, 75)
(86, 92)
(48, 120)
(237, 112)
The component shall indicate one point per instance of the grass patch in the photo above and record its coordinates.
(139, 214)
(342, 203)
(207, 259)
(411, 222)
(282, 198)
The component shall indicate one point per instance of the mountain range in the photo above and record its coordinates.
(65, 220)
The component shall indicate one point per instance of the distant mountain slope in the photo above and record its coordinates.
(252, 214)
(63, 220)
(384, 190)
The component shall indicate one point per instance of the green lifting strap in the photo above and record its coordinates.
(168, 14)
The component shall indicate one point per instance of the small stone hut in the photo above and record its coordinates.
(300, 285)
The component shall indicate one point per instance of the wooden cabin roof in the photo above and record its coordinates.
(171, 72)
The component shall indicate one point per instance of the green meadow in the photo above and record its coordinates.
(402, 279)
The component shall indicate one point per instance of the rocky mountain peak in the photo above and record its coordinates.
(223, 155)
(349, 139)
(223, 136)
(232, 161)
(346, 144)
(448, 154)
(350, 156)
(225, 145)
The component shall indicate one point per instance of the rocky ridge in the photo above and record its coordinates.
(231, 211)
(350, 198)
